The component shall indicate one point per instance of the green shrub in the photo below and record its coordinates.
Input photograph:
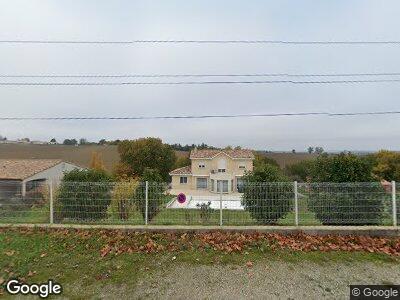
(347, 204)
(84, 195)
(122, 206)
(205, 211)
(156, 194)
(267, 194)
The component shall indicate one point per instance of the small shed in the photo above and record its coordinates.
(17, 176)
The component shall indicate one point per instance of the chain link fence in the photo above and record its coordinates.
(151, 203)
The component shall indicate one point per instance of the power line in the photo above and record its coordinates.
(272, 42)
(197, 75)
(196, 82)
(326, 114)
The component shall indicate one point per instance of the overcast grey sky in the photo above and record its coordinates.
(274, 20)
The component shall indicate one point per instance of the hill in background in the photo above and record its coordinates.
(80, 155)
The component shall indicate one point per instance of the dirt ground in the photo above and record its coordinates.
(264, 280)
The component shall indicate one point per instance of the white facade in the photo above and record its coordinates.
(52, 175)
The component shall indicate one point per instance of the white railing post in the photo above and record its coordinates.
(220, 203)
(146, 214)
(394, 208)
(296, 204)
(51, 202)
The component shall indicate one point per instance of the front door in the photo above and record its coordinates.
(224, 184)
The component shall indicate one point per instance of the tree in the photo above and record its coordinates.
(387, 165)
(84, 195)
(146, 153)
(319, 150)
(182, 161)
(122, 206)
(53, 141)
(349, 203)
(300, 171)
(310, 150)
(262, 159)
(102, 142)
(293, 151)
(83, 141)
(344, 167)
(71, 142)
(267, 194)
(96, 162)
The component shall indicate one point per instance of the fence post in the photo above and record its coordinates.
(220, 203)
(296, 204)
(394, 209)
(51, 202)
(146, 214)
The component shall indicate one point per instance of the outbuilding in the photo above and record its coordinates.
(18, 176)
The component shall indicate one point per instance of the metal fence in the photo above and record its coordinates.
(150, 203)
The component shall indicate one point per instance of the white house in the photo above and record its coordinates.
(20, 175)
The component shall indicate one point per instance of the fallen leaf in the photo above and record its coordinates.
(30, 273)
(43, 255)
(249, 264)
(9, 253)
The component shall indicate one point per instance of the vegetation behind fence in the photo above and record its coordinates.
(140, 203)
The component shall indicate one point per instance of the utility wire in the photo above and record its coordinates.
(196, 82)
(278, 42)
(197, 75)
(327, 114)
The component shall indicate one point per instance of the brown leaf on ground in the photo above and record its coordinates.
(9, 252)
(249, 264)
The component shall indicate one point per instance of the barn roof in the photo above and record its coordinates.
(20, 169)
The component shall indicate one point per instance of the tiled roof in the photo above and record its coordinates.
(207, 153)
(180, 171)
(20, 169)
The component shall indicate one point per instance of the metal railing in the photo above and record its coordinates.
(151, 203)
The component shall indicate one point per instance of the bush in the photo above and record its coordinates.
(344, 167)
(121, 205)
(84, 195)
(300, 171)
(205, 211)
(347, 204)
(267, 195)
(156, 194)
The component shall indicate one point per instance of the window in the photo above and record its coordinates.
(223, 184)
(242, 167)
(212, 185)
(201, 183)
(183, 180)
(221, 170)
(202, 165)
(240, 185)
